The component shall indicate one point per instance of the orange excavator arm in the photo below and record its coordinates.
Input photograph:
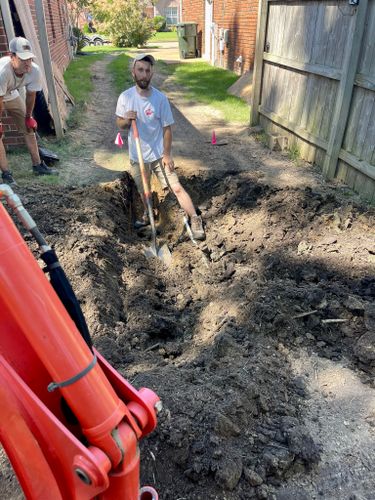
(70, 424)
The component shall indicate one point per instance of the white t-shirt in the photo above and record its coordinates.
(153, 113)
(9, 82)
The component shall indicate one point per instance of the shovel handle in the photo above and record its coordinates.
(146, 188)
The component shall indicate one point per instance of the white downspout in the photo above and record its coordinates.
(7, 18)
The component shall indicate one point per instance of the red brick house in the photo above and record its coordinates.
(226, 31)
(19, 18)
(170, 9)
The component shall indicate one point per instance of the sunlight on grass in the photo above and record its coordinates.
(164, 36)
(20, 164)
(103, 49)
(208, 85)
(119, 69)
(78, 76)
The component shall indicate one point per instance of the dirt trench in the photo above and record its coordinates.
(262, 346)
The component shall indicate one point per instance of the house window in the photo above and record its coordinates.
(171, 15)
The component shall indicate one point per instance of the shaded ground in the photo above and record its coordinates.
(262, 346)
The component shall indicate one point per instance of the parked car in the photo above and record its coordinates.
(95, 39)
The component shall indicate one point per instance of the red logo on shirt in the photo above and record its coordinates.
(149, 112)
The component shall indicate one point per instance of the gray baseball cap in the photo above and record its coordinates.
(144, 57)
(21, 47)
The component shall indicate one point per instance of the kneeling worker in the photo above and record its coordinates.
(152, 110)
(18, 70)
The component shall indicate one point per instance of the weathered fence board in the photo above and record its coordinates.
(314, 81)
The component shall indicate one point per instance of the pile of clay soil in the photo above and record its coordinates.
(213, 334)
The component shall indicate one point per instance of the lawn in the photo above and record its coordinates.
(164, 36)
(209, 85)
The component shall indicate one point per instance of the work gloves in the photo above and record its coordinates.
(30, 123)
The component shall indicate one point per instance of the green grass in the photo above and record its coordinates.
(207, 84)
(78, 76)
(103, 49)
(164, 36)
(119, 69)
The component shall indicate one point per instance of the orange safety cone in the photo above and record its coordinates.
(213, 139)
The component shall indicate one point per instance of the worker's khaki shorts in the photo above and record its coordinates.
(155, 167)
(17, 110)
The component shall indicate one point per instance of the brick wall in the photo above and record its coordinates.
(57, 23)
(240, 17)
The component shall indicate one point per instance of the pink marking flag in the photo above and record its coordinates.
(118, 141)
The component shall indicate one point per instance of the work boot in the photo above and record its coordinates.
(8, 178)
(42, 169)
(142, 222)
(197, 227)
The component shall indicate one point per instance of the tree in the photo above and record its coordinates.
(124, 21)
(76, 8)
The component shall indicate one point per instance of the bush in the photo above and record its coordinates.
(79, 35)
(160, 23)
(124, 21)
(85, 28)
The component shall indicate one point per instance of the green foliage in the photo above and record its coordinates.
(76, 8)
(79, 36)
(160, 23)
(85, 28)
(294, 153)
(125, 21)
(262, 138)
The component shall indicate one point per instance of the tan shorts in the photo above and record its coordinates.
(155, 167)
(16, 108)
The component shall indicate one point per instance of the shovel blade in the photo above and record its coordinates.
(163, 253)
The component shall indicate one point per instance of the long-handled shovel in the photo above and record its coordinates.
(161, 252)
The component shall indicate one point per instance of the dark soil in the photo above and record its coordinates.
(285, 272)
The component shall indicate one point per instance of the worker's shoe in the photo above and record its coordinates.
(196, 225)
(144, 221)
(8, 178)
(42, 169)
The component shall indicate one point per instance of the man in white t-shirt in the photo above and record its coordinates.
(152, 110)
(16, 71)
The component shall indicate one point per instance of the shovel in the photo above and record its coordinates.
(186, 222)
(161, 252)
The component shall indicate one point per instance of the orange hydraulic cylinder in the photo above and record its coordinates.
(30, 299)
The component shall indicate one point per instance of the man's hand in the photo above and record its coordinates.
(31, 123)
(168, 163)
(130, 115)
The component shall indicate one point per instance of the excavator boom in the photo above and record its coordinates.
(70, 423)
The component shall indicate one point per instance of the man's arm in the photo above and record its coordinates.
(126, 120)
(167, 148)
(30, 103)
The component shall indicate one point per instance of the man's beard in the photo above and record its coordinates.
(143, 84)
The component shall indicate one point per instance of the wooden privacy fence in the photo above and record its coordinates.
(314, 82)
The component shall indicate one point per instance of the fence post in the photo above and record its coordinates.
(258, 62)
(52, 94)
(345, 91)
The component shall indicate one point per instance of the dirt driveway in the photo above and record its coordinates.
(264, 357)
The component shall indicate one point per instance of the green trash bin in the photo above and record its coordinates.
(187, 40)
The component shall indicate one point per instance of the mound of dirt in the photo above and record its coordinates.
(213, 334)
(243, 87)
(260, 342)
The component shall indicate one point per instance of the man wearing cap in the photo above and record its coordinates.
(152, 110)
(18, 70)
